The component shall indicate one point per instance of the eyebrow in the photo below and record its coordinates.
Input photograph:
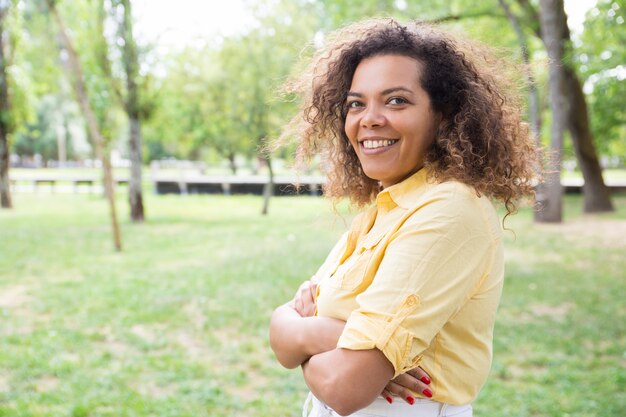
(384, 92)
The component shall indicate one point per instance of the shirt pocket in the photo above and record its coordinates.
(353, 272)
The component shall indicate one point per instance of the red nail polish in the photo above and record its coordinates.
(389, 400)
(410, 400)
(427, 393)
(425, 380)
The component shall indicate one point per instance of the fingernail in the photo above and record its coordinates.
(410, 400)
(389, 400)
(425, 380)
(427, 393)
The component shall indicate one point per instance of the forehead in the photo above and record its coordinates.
(380, 72)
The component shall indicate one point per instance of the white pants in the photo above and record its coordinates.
(381, 408)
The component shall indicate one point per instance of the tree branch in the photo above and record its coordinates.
(532, 15)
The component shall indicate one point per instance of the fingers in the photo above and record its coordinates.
(420, 374)
(400, 391)
(308, 301)
(299, 305)
(313, 291)
(409, 383)
(387, 396)
(304, 300)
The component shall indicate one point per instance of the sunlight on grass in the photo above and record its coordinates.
(176, 325)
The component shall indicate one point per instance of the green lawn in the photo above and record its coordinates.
(176, 325)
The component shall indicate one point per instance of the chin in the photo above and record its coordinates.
(372, 176)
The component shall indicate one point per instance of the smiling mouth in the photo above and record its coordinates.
(379, 143)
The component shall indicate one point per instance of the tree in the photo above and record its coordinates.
(199, 106)
(76, 71)
(268, 55)
(6, 122)
(49, 133)
(534, 110)
(133, 110)
(596, 194)
(552, 15)
(600, 58)
(121, 13)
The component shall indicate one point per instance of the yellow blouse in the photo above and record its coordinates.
(419, 276)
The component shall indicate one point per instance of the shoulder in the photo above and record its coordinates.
(452, 196)
(458, 204)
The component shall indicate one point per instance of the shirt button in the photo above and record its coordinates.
(411, 300)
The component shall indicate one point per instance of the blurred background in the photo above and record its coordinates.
(140, 256)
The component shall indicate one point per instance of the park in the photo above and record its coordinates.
(149, 227)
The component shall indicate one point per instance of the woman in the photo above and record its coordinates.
(419, 124)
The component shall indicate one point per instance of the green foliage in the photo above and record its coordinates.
(176, 325)
(229, 101)
(601, 57)
(222, 98)
(85, 21)
(57, 118)
(18, 84)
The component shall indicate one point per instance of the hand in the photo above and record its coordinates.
(404, 386)
(304, 300)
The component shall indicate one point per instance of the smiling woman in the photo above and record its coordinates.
(480, 138)
(399, 319)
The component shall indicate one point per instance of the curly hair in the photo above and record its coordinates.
(481, 140)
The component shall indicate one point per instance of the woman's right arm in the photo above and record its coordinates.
(294, 339)
(294, 346)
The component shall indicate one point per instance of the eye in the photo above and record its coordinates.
(354, 104)
(397, 101)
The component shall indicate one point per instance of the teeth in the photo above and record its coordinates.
(373, 144)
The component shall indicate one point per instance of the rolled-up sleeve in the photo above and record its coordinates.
(429, 269)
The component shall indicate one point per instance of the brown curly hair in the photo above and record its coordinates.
(481, 140)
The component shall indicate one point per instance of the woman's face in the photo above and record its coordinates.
(389, 121)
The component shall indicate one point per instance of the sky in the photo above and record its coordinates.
(190, 21)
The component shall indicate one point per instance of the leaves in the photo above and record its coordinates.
(223, 97)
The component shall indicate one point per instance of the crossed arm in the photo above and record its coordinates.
(346, 380)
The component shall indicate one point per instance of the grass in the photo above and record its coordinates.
(176, 325)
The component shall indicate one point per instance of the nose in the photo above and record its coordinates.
(373, 117)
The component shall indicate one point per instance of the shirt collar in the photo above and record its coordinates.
(403, 194)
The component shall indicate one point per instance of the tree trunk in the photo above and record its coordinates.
(131, 66)
(596, 194)
(551, 15)
(74, 68)
(5, 115)
(61, 144)
(5, 183)
(268, 190)
(135, 193)
(534, 113)
(231, 163)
